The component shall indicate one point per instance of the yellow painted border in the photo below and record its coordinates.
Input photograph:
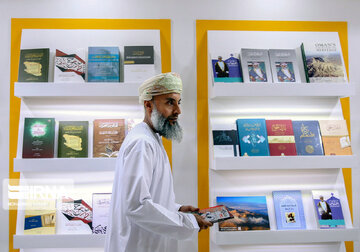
(202, 26)
(18, 24)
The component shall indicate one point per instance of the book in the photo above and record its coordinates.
(284, 66)
(250, 213)
(34, 65)
(215, 214)
(255, 65)
(307, 138)
(328, 209)
(323, 62)
(253, 137)
(226, 143)
(138, 63)
(73, 139)
(70, 65)
(103, 64)
(38, 141)
(226, 67)
(289, 210)
(101, 207)
(281, 138)
(40, 217)
(108, 137)
(335, 137)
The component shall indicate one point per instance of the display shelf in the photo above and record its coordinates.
(64, 164)
(281, 162)
(285, 236)
(46, 89)
(59, 241)
(281, 89)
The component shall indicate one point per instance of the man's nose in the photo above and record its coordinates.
(177, 109)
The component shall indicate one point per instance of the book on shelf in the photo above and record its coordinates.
(103, 64)
(101, 207)
(108, 137)
(34, 65)
(255, 65)
(323, 61)
(226, 67)
(335, 137)
(38, 140)
(40, 217)
(215, 214)
(73, 139)
(225, 140)
(70, 65)
(139, 63)
(253, 137)
(307, 138)
(281, 138)
(284, 66)
(289, 210)
(328, 209)
(250, 213)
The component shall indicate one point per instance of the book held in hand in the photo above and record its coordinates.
(335, 137)
(103, 64)
(215, 214)
(73, 139)
(255, 65)
(284, 66)
(139, 63)
(226, 67)
(70, 66)
(34, 65)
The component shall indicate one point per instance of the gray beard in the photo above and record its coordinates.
(164, 128)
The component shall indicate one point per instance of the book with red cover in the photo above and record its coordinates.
(281, 138)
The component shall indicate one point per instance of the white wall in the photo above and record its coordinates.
(183, 15)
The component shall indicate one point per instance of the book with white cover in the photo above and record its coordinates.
(255, 65)
(70, 65)
(284, 66)
(101, 208)
(139, 63)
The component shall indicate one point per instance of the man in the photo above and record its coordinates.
(324, 209)
(221, 68)
(256, 74)
(143, 214)
(285, 74)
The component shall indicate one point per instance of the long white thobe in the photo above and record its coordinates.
(143, 214)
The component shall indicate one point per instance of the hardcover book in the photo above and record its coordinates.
(215, 214)
(138, 63)
(328, 209)
(289, 210)
(323, 62)
(281, 138)
(253, 138)
(70, 65)
(39, 134)
(250, 213)
(101, 208)
(308, 138)
(335, 137)
(226, 143)
(108, 137)
(73, 139)
(284, 66)
(226, 67)
(103, 64)
(34, 65)
(255, 65)
(40, 217)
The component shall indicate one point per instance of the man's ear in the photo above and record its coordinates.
(148, 106)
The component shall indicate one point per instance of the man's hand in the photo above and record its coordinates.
(186, 209)
(203, 224)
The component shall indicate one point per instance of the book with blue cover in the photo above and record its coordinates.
(226, 67)
(289, 210)
(253, 137)
(104, 64)
(307, 138)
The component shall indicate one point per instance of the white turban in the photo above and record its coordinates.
(160, 84)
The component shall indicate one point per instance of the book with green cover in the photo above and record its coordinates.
(73, 139)
(34, 65)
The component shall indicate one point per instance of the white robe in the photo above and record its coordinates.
(143, 213)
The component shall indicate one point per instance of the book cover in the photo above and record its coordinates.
(308, 138)
(38, 141)
(101, 208)
(138, 63)
(281, 138)
(250, 213)
(40, 217)
(255, 65)
(34, 65)
(226, 143)
(335, 137)
(323, 62)
(289, 210)
(108, 137)
(284, 66)
(73, 139)
(215, 214)
(103, 64)
(253, 137)
(328, 209)
(226, 67)
(70, 65)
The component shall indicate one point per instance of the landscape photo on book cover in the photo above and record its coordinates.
(250, 213)
(324, 65)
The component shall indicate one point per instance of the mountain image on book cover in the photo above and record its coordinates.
(225, 143)
(226, 68)
(307, 138)
(70, 67)
(103, 64)
(34, 65)
(73, 139)
(250, 213)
